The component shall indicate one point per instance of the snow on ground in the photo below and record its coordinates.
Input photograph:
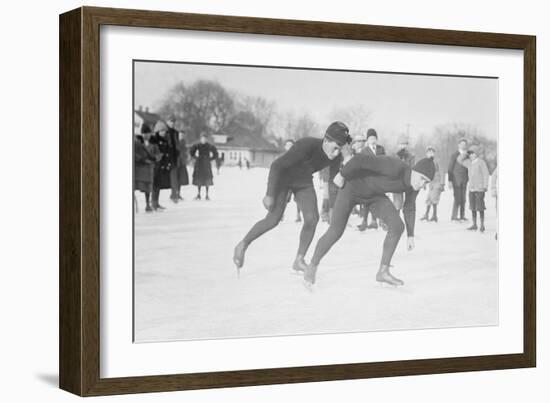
(186, 286)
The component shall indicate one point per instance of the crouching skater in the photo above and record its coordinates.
(365, 179)
(292, 173)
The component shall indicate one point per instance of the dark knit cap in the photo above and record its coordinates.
(371, 132)
(339, 133)
(425, 167)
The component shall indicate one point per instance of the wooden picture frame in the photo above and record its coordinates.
(79, 279)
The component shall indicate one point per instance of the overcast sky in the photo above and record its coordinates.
(394, 100)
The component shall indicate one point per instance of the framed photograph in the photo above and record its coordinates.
(249, 201)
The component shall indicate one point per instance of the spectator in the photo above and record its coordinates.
(436, 186)
(478, 175)
(458, 180)
(372, 148)
(404, 155)
(161, 177)
(203, 153)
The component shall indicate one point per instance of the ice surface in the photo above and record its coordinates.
(186, 286)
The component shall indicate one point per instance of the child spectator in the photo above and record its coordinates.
(478, 175)
(436, 186)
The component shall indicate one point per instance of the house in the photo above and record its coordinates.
(144, 121)
(256, 149)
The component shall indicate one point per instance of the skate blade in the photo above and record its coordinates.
(308, 286)
(384, 285)
(296, 272)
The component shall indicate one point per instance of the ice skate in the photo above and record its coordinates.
(362, 227)
(299, 266)
(473, 228)
(433, 219)
(207, 198)
(148, 209)
(482, 228)
(309, 275)
(197, 197)
(424, 217)
(384, 276)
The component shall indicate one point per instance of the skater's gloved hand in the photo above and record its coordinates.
(339, 180)
(268, 202)
(410, 243)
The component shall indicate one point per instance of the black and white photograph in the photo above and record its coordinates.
(278, 201)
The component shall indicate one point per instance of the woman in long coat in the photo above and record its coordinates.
(146, 156)
(203, 153)
(436, 186)
(161, 178)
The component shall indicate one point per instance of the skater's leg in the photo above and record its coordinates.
(387, 212)
(306, 200)
(271, 219)
(207, 197)
(339, 218)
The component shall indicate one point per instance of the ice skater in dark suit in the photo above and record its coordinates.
(458, 180)
(292, 173)
(367, 179)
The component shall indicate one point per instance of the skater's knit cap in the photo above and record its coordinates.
(339, 133)
(430, 148)
(463, 139)
(425, 167)
(371, 132)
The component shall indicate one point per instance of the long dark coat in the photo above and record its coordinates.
(161, 179)
(145, 159)
(203, 154)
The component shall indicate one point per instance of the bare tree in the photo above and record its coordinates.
(356, 117)
(205, 106)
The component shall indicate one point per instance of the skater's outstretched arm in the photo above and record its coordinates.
(409, 211)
